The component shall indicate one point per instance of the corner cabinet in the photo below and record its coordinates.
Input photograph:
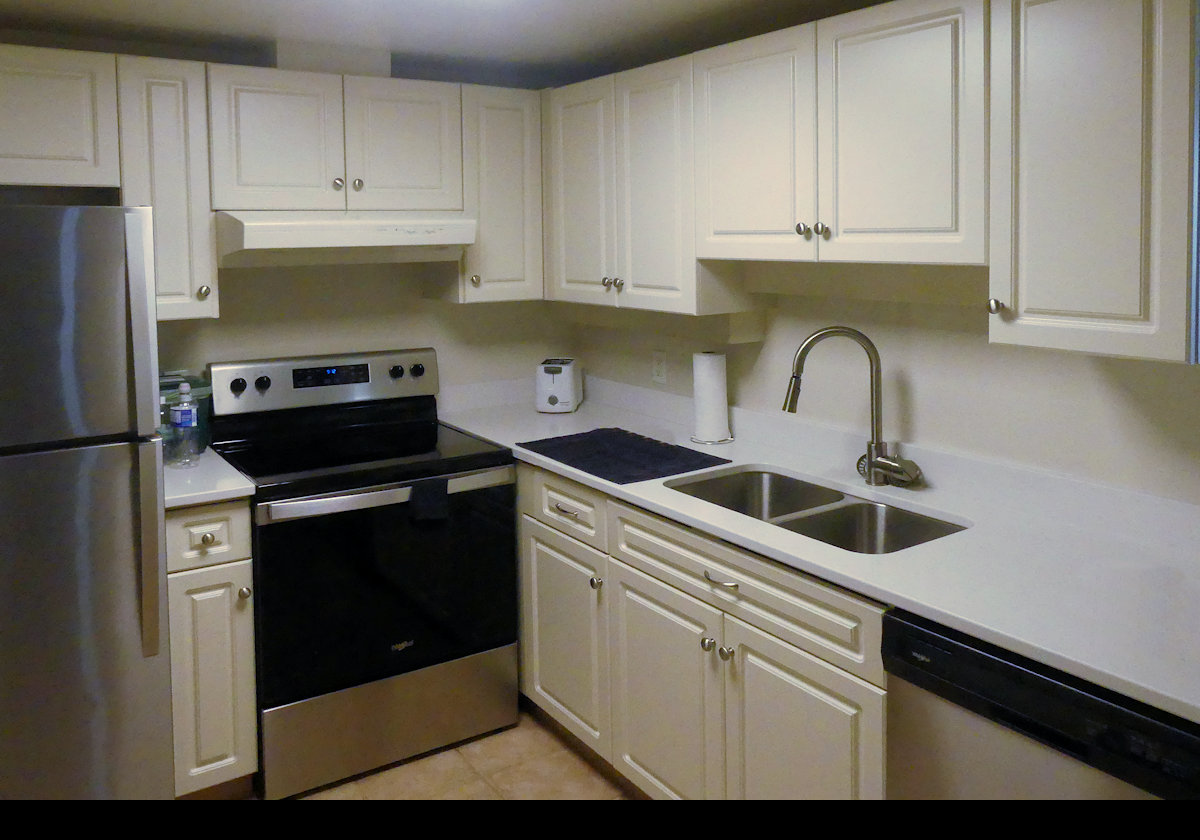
(620, 199)
(295, 140)
(164, 164)
(66, 131)
(860, 137)
(1092, 176)
(210, 606)
(697, 670)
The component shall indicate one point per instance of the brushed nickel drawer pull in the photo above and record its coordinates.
(566, 511)
(726, 584)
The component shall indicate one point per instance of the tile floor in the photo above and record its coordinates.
(530, 761)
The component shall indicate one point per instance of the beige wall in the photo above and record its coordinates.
(337, 309)
(1114, 421)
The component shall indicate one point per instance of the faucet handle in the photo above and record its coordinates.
(897, 471)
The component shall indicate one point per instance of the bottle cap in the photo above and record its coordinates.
(184, 388)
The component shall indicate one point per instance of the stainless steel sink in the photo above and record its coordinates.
(870, 527)
(758, 493)
(822, 513)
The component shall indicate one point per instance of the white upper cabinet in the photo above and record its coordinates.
(164, 164)
(502, 190)
(60, 117)
(860, 138)
(403, 144)
(580, 206)
(294, 140)
(1091, 176)
(620, 196)
(756, 147)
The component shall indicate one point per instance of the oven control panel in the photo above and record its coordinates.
(272, 384)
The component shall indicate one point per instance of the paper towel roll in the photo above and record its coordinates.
(709, 398)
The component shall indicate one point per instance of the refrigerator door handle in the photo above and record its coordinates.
(143, 316)
(152, 541)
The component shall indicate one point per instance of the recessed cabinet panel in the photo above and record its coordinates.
(276, 139)
(66, 131)
(164, 164)
(403, 145)
(901, 126)
(1092, 176)
(755, 160)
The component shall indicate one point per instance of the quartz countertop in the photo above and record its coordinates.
(1097, 581)
(211, 479)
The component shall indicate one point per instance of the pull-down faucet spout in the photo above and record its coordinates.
(877, 467)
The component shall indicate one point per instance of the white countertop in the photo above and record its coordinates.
(1099, 582)
(210, 480)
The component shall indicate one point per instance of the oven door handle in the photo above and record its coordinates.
(272, 512)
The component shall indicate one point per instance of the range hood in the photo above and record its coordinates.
(314, 237)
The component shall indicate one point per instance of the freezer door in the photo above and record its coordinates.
(79, 336)
(85, 677)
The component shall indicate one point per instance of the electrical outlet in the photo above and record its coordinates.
(658, 369)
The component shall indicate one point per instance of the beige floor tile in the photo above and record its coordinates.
(525, 741)
(560, 775)
(422, 778)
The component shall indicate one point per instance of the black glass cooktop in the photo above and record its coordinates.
(304, 452)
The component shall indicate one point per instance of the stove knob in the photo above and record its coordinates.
(396, 371)
(238, 385)
(417, 370)
(262, 383)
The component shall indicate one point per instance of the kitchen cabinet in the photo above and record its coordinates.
(860, 137)
(1091, 177)
(696, 669)
(210, 607)
(502, 190)
(620, 198)
(163, 107)
(295, 140)
(66, 134)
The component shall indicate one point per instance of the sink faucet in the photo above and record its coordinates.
(877, 467)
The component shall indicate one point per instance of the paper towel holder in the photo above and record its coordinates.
(720, 399)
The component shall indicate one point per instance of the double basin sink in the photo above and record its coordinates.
(822, 513)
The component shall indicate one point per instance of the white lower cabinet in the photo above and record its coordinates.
(210, 605)
(699, 671)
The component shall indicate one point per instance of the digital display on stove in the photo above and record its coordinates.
(315, 377)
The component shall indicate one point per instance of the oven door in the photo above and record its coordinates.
(362, 586)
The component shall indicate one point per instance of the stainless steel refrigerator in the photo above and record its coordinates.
(85, 677)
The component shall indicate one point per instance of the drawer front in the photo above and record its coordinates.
(207, 534)
(817, 617)
(563, 504)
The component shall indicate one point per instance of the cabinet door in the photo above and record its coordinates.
(164, 164)
(655, 196)
(755, 165)
(1091, 176)
(276, 139)
(580, 207)
(798, 728)
(66, 131)
(403, 144)
(564, 632)
(502, 186)
(668, 708)
(902, 124)
(212, 675)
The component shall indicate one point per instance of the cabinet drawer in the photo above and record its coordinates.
(207, 534)
(839, 627)
(563, 504)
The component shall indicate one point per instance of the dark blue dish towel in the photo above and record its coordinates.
(620, 456)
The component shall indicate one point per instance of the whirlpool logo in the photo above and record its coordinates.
(399, 646)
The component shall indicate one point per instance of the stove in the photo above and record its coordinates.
(384, 563)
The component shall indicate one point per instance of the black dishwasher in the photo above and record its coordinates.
(1146, 747)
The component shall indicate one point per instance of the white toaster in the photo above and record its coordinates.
(559, 386)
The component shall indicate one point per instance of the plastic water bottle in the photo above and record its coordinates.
(185, 422)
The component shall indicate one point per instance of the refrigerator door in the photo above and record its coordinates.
(85, 677)
(77, 356)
